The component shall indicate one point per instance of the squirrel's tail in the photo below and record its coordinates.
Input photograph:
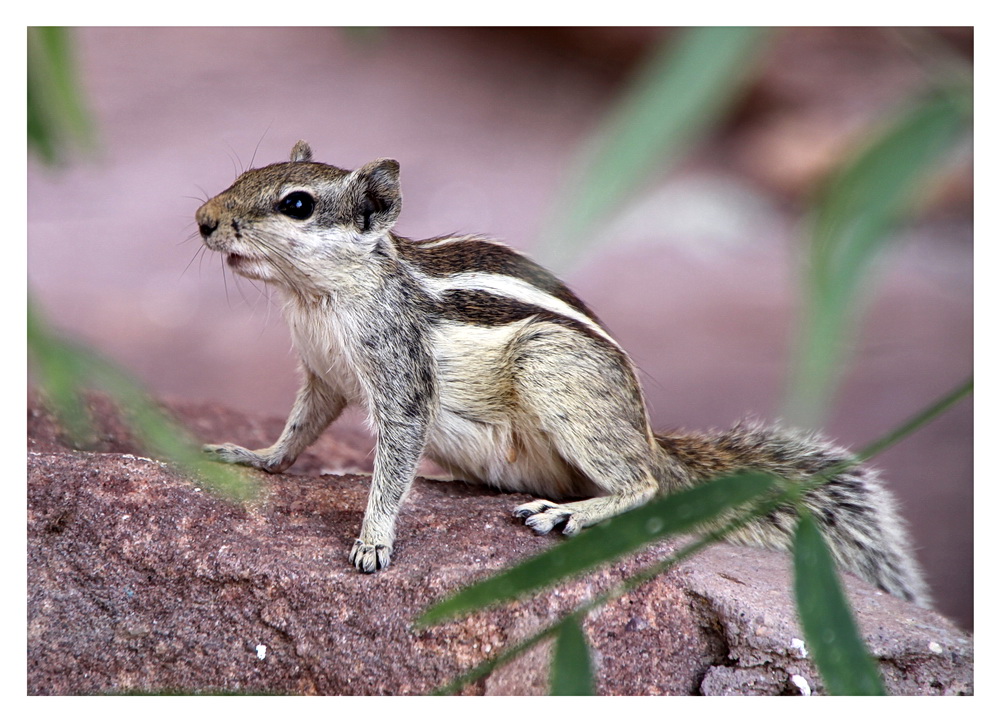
(856, 515)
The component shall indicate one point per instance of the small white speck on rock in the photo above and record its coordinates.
(802, 684)
(799, 648)
(261, 652)
(935, 647)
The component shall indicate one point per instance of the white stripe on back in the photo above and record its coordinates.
(512, 288)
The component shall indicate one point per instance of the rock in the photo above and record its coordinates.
(139, 581)
(744, 593)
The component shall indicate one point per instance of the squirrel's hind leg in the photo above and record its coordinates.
(590, 409)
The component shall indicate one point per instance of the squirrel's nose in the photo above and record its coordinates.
(207, 222)
(207, 228)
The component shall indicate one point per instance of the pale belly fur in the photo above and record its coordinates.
(480, 433)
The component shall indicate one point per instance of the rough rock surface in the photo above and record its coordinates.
(140, 581)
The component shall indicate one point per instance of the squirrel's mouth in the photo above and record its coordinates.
(251, 268)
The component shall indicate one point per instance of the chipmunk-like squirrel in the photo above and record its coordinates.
(462, 349)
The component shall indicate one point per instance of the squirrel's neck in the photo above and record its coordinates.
(343, 278)
(349, 281)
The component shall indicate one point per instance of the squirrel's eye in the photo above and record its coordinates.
(298, 205)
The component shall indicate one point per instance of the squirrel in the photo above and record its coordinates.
(462, 349)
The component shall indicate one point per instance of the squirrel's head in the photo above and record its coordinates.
(278, 222)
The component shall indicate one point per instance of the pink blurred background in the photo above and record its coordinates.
(699, 284)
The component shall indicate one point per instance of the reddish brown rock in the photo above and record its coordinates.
(138, 580)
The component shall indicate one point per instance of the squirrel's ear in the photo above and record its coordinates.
(301, 152)
(378, 200)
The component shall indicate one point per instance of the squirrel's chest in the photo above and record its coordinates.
(322, 342)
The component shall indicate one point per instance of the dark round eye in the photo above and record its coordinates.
(298, 205)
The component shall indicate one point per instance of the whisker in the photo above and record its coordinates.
(232, 159)
(261, 298)
(276, 251)
(193, 235)
(267, 319)
(239, 287)
(280, 251)
(225, 283)
(267, 306)
(198, 252)
(255, 148)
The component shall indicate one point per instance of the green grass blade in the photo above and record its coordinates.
(918, 420)
(571, 672)
(850, 225)
(677, 97)
(829, 627)
(608, 541)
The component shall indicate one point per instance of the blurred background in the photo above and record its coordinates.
(695, 261)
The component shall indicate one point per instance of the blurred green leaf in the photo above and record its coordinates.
(608, 541)
(65, 369)
(57, 118)
(677, 97)
(571, 673)
(831, 634)
(850, 225)
(59, 369)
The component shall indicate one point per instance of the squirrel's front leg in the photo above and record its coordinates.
(316, 406)
(397, 371)
(397, 454)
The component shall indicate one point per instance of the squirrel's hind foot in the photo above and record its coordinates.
(542, 516)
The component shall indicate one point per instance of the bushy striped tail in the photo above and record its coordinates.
(856, 514)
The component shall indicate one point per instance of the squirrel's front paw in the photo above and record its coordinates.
(370, 558)
(231, 453)
(235, 454)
